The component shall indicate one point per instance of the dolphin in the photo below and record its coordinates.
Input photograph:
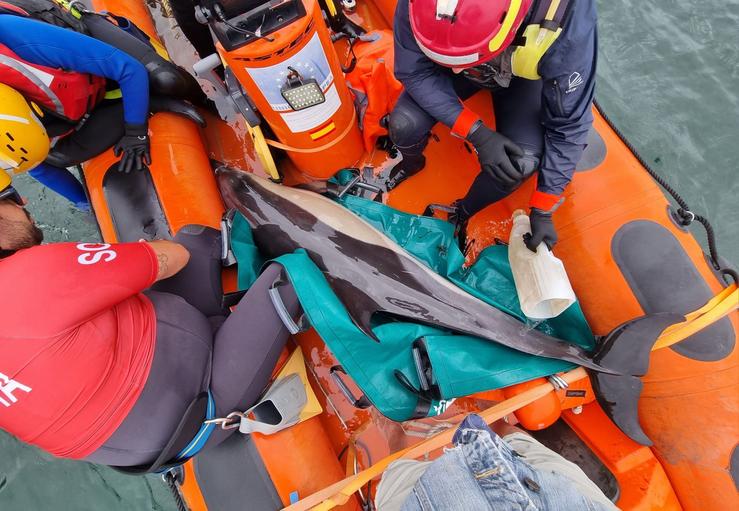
(371, 274)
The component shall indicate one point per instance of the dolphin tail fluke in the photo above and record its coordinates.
(626, 351)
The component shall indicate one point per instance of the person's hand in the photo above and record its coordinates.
(134, 146)
(497, 155)
(542, 230)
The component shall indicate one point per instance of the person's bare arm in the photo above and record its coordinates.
(171, 257)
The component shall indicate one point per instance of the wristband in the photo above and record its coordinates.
(545, 201)
(462, 126)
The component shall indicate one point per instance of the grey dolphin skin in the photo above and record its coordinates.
(370, 273)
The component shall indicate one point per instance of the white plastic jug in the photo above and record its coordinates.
(541, 280)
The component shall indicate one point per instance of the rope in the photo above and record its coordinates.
(171, 479)
(687, 217)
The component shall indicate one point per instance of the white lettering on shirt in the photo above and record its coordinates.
(95, 252)
(7, 387)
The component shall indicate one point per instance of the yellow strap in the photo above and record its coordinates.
(525, 59)
(331, 7)
(263, 153)
(160, 49)
(113, 94)
(339, 493)
(549, 16)
(719, 306)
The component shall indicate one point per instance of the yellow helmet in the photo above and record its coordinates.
(4, 180)
(23, 139)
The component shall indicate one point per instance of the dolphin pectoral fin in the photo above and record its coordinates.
(362, 318)
(358, 304)
(626, 351)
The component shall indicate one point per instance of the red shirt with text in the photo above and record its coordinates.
(76, 342)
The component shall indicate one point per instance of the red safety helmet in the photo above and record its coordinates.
(465, 33)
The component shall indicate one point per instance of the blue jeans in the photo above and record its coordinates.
(483, 473)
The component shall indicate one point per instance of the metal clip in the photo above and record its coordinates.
(359, 182)
(227, 256)
(231, 421)
(80, 7)
(351, 184)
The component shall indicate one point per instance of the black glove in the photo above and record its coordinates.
(134, 146)
(542, 229)
(497, 155)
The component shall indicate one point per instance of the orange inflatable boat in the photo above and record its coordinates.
(622, 242)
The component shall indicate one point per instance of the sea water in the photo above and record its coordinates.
(668, 75)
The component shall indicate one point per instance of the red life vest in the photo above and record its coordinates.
(373, 84)
(68, 95)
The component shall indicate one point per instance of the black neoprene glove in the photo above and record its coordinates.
(542, 230)
(134, 146)
(497, 155)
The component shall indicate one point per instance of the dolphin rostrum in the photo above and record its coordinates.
(370, 273)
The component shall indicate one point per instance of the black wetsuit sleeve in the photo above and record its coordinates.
(568, 73)
(429, 84)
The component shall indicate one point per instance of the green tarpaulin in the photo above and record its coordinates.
(461, 364)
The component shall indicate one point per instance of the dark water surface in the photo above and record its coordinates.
(669, 76)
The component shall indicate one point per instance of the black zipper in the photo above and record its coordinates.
(558, 95)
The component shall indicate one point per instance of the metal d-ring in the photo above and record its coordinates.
(558, 382)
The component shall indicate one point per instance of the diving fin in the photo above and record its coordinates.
(626, 350)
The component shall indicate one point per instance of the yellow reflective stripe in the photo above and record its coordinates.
(552, 10)
(505, 29)
(331, 7)
(113, 94)
(323, 132)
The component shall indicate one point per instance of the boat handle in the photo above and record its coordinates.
(362, 402)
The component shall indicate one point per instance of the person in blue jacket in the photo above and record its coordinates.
(537, 56)
(34, 45)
